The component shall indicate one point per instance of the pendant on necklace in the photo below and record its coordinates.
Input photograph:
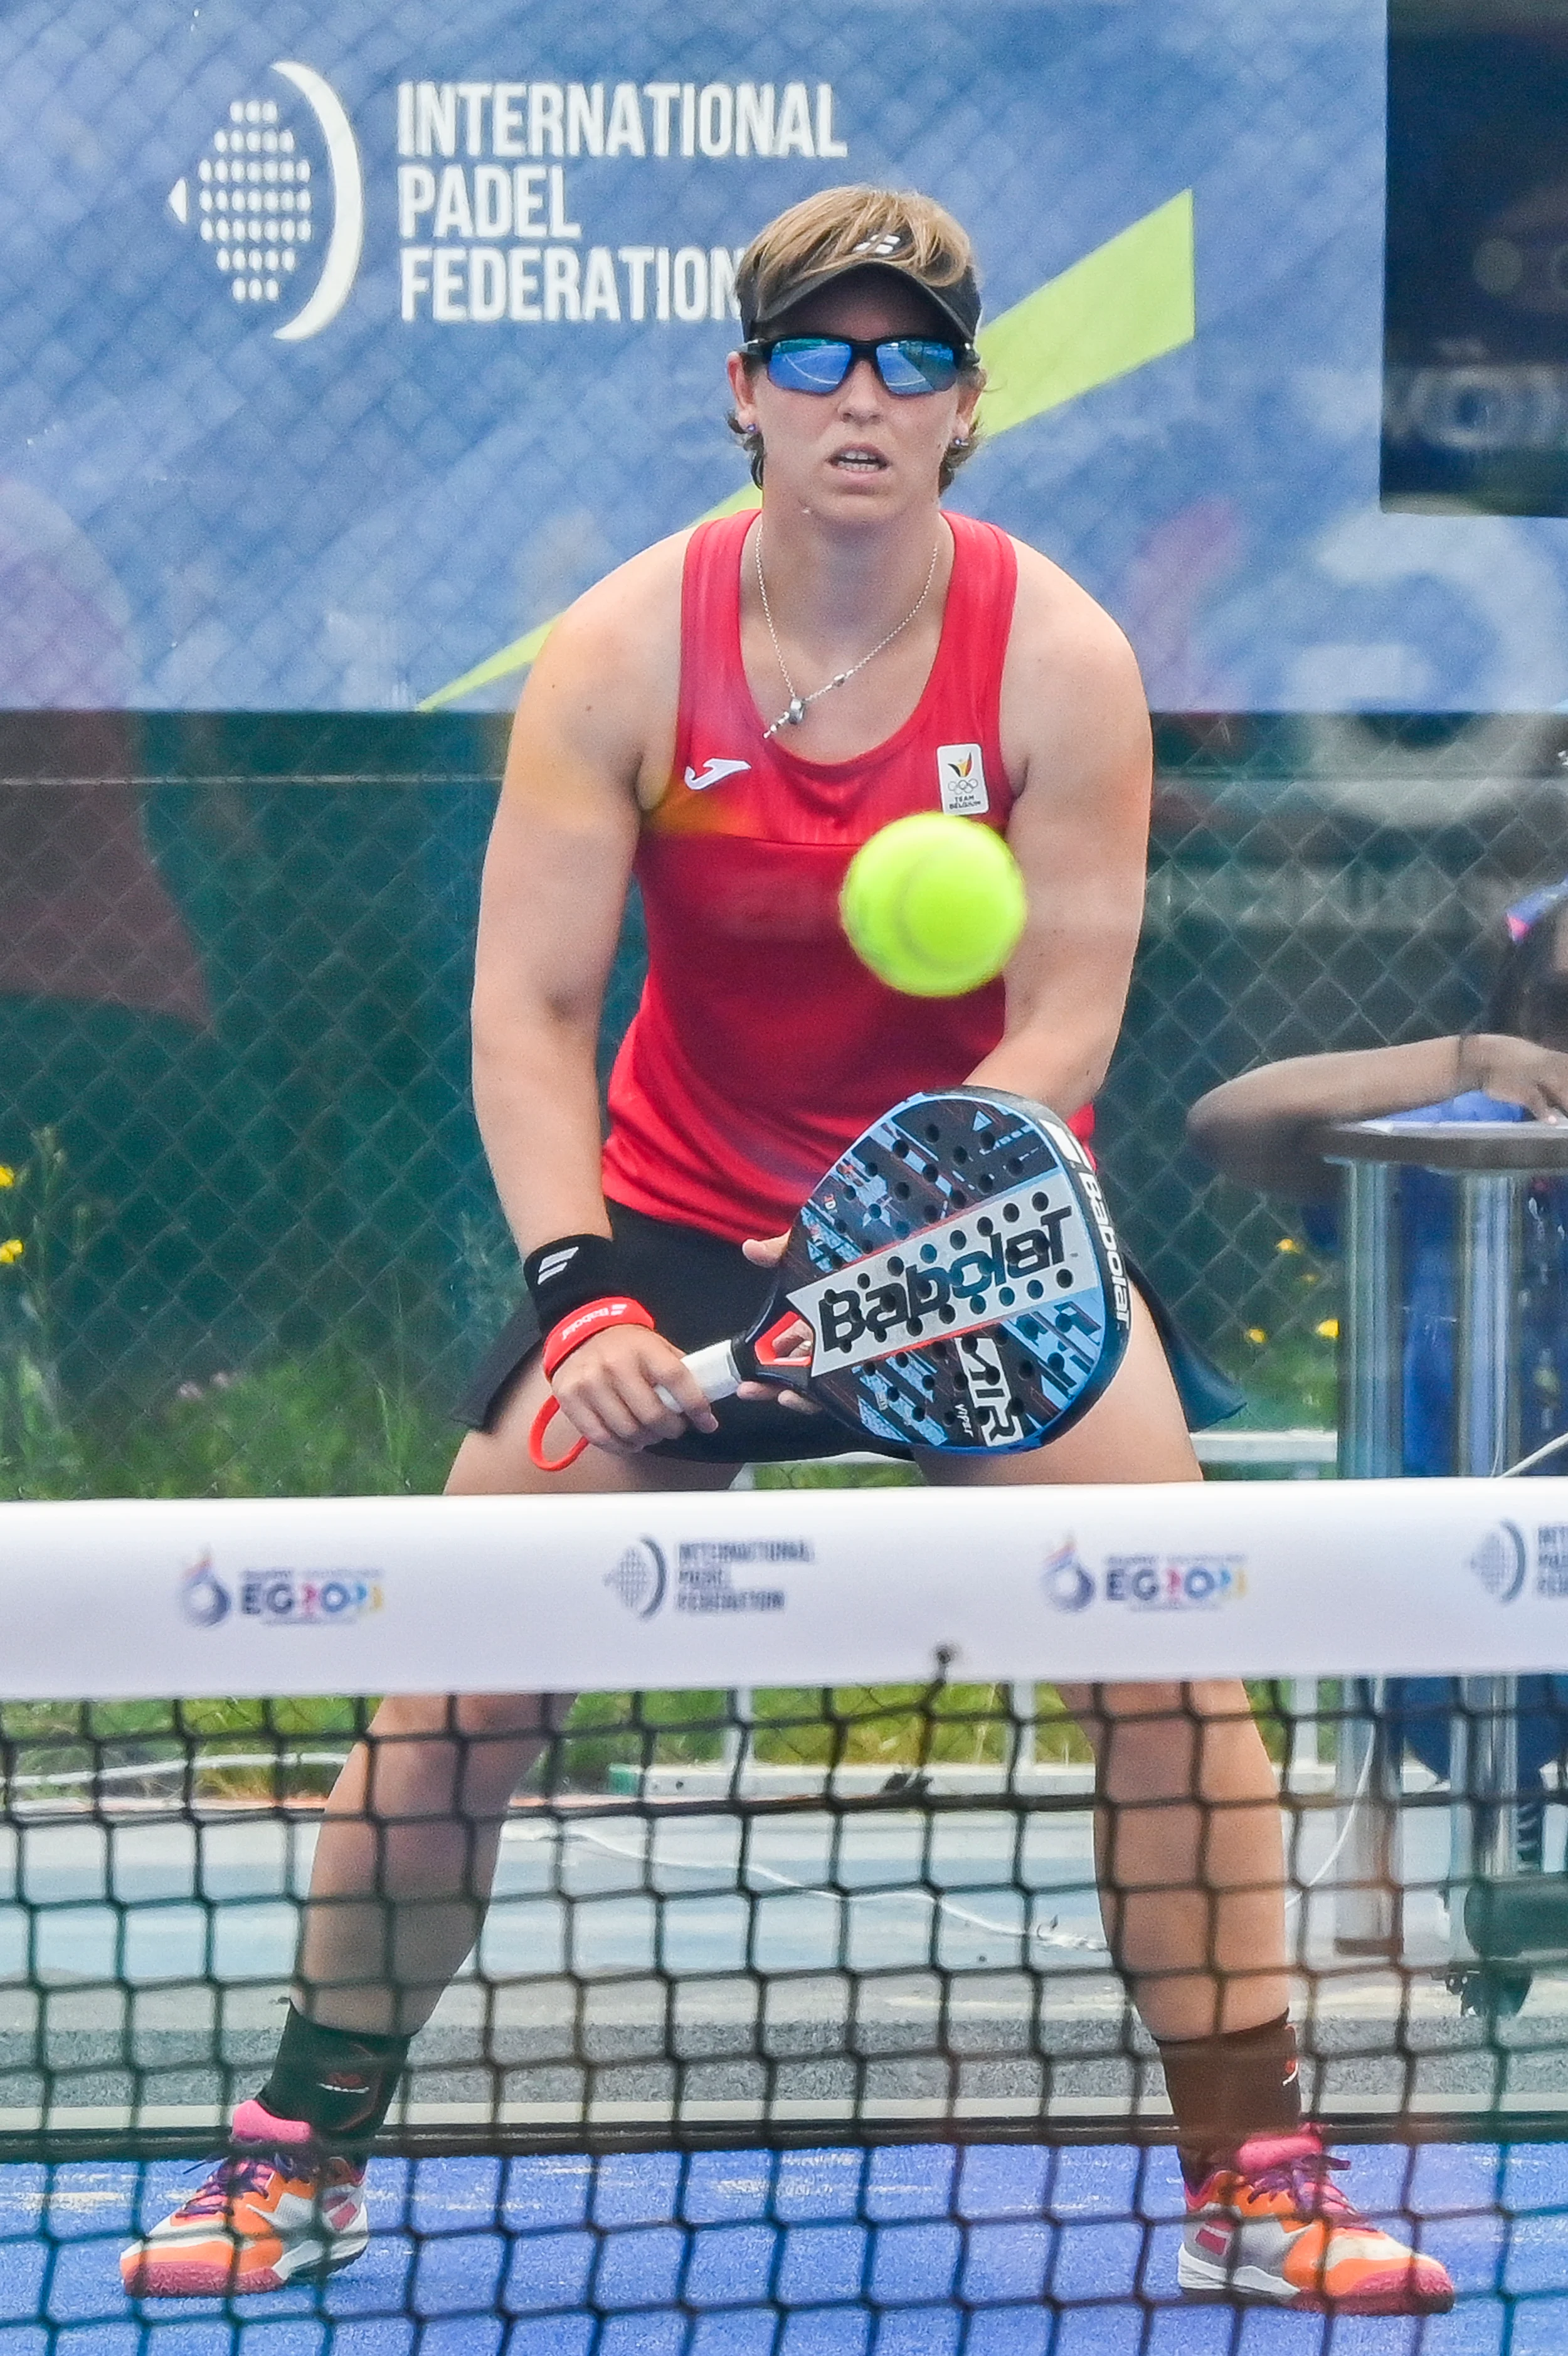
(792, 717)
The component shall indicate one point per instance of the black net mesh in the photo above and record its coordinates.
(793, 2027)
(789, 2005)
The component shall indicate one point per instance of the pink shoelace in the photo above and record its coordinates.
(231, 2180)
(1306, 2177)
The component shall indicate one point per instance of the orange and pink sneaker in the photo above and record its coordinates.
(1272, 2226)
(277, 2211)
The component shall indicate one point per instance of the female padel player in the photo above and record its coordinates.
(728, 717)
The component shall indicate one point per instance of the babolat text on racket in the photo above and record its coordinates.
(960, 1277)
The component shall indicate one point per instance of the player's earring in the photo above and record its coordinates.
(959, 442)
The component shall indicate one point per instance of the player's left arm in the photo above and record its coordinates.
(1075, 737)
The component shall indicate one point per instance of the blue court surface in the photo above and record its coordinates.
(997, 2250)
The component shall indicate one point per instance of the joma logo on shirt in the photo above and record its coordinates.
(712, 772)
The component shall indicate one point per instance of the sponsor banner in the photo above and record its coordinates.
(346, 347)
(781, 1588)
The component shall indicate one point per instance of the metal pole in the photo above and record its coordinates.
(1483, 1814)
(1372, 1448)
(1485, 1353)
(1371, 1355)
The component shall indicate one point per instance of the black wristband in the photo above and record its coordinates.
(571, 1272)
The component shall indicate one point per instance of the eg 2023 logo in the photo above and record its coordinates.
(1143, 1582)
(280, 1598)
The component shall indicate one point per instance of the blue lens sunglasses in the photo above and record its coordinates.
(906, 364)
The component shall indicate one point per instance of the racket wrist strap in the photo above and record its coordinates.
(580, 1325)
(569, 1273)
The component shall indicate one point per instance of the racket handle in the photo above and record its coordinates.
(714, 1368)
(718, 1376)
(541, 1424)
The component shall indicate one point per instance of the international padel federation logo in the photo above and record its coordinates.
(640, 1577)
(1499, 1561)
(277, 199)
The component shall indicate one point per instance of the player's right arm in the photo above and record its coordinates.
(1258, 1128)
(591, 748)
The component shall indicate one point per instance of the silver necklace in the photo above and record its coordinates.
(795, 712)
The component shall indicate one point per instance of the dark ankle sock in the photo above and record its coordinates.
(339, 2082)
(1224, 2089)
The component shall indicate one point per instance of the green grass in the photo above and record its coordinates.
(1283, 1348)
(74, 1738)
(323, 1425)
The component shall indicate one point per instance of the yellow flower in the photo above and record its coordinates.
(1329, 1329)
(1255, 1334)
(1287, 1244)
(12, 1249)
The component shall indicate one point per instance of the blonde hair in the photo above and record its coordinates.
(840, 226)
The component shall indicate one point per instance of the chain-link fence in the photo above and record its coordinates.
(344, 348)
(249, 1241)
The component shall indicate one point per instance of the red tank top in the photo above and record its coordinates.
(762, 1046)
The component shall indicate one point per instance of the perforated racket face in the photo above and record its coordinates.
(962, 1275)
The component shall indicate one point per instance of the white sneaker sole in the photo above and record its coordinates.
(157, 2269)
(1394, 2294)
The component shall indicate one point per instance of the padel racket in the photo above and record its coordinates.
(960, 1277)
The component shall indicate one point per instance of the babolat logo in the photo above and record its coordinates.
(1023, 1250)
(310, 1599)
(1120, 1287)
(1165, 1582)
(1499, 1561)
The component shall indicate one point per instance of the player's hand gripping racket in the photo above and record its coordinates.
(960, 1277)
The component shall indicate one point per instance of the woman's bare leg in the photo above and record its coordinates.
(1188, 1839)
(410, 1838)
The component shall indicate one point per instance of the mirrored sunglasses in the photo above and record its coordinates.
(906, 364)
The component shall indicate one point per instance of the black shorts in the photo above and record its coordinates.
(698, 1289)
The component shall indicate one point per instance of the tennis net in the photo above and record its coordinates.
(804, 1869)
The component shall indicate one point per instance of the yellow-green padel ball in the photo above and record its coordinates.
(934, 905)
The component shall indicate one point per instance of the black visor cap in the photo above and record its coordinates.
(959, 303)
